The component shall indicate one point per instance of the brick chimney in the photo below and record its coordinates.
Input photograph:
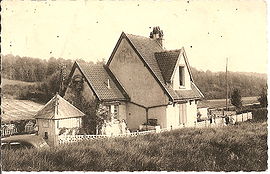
(157, 34)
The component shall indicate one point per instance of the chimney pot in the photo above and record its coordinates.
(157, 34)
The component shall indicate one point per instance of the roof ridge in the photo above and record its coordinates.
(145, 38)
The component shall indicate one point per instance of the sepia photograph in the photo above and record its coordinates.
(95, 86)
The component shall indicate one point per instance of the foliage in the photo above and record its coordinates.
(31, 69)
(240, 147)
(236, 98)
(102, 115)
(87, 106)
(212, 83)
(260, 114)
(263, 97)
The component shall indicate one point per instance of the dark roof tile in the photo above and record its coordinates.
(98, 77)
(167, 61)
(194, 93)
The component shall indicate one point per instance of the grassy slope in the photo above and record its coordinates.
(232, 148)
(15, 82)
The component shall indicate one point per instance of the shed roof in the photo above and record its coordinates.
(58, 108)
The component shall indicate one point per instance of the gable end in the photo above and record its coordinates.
(123, 35)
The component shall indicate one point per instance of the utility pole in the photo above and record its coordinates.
(61, 77)
(227, 84)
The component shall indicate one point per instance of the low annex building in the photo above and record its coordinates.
(55, 115)
(141, 81)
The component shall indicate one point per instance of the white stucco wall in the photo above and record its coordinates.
(191, 113)
(176, 116)
(172, 114)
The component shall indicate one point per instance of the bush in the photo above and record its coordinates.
(260, 114)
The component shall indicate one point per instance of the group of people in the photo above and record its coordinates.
(114, 127)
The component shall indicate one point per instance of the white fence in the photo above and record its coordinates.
(63, 139)
(7, 130)
(219, 121)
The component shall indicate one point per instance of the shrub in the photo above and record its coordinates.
(260, 114)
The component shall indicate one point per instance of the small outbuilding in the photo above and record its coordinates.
(57, 114)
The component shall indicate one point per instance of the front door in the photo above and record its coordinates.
(183, 113)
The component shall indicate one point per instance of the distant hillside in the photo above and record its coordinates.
(212, 84)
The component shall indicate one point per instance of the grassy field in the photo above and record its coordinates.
(233, 148)
(15, 82)
(18, 109)
(218, 103)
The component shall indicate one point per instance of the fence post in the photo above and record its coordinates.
(242, 117)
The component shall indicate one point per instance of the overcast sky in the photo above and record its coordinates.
(209, 30)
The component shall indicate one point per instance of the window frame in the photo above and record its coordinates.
(181, 76)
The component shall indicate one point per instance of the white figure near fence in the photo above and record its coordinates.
(114, 127)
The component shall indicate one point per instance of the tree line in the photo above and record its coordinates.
(213, 84)
(46, 74)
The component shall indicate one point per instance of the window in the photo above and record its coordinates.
(46, 135)
(181, 75)
(116, 110)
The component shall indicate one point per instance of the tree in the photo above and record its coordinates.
(263, 97)
(236, 98)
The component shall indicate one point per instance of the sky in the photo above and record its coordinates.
(209, 30)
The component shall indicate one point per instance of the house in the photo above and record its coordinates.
(140, 81)
(57, 114)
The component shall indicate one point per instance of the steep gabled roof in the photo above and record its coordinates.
(183, 54)
(58, 108)
(145, 49)
(97, 77)
(151, 53)
(167, 61)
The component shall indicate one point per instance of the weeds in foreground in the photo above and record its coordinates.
(233, 148)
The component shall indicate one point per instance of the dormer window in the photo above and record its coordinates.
(181, 76)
